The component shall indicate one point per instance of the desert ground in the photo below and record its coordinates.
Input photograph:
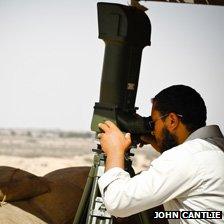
(43, 151)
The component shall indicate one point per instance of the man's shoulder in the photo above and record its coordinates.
(186, 150)
(191, 150)
(179, 158)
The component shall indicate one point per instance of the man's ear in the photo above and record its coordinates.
(173, 122)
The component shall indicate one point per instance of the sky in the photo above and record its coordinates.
(51, 60)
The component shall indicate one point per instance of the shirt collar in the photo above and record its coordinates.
(210, 131)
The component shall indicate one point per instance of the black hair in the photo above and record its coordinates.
(185, 101)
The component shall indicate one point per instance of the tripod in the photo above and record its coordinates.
(91, 208)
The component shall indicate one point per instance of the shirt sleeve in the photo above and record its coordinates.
(167, 178)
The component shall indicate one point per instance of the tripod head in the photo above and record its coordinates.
(126, 30)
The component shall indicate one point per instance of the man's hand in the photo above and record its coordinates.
(114, 143)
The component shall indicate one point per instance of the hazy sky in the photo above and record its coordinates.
(51, 60)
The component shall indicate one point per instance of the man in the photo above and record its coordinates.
(189, 174)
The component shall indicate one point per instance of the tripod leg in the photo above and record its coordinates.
(91, 209)
(83, 205)
(92, 198)
(97, 213)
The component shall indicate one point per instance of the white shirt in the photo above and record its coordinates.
(184, 178)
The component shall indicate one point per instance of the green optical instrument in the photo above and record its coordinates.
(126, 31)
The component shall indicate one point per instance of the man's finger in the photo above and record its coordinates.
(128, 136)
(99, 135)
(128, 139)
(111, 124)
(103, 127)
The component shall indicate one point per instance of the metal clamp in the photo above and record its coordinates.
(100, 209)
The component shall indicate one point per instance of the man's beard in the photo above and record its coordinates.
(168, 141)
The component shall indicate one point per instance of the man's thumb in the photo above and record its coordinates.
(128, 138)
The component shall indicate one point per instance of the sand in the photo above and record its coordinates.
(41, 152)
(43, 165)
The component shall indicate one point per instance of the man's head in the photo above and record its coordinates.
(177, 111)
